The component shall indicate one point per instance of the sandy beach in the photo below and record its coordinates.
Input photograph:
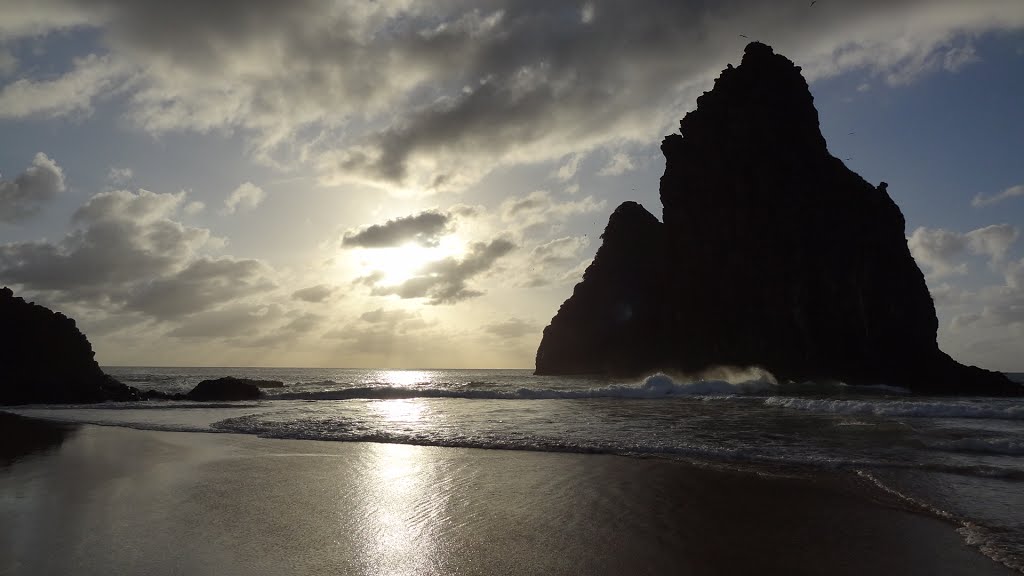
(103, 500)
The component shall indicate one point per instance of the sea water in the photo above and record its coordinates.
(961, 459)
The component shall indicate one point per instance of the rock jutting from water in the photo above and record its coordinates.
(771, 253)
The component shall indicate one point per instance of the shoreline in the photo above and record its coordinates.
(107, 498)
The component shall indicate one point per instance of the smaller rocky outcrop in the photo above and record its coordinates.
(45, 359)
(229, 388)
(612, 322)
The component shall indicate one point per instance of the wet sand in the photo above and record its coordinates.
(109, 500)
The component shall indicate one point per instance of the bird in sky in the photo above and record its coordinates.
(813, 2)
(744, 36)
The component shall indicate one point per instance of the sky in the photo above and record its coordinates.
(421, 184)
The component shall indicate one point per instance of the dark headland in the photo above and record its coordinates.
(45, 359)
(771, 253)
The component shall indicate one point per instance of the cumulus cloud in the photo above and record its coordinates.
(980, 200)
(446, 281)
(119, 237)
(314, 294)
(940, 250)
(430, 96)
(246, 197)
(425, 229)
(26, 194)
(992, 241)
(126, 254)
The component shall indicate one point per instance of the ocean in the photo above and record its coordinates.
(960, 459)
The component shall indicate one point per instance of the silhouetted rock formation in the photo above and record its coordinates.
(772, 253)
(611, 322)
(226, 388)
(44, 358)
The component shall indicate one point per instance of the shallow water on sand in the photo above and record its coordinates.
(957, 458)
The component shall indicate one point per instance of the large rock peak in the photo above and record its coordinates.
(772, 253)
(764, 102)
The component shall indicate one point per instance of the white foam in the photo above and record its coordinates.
(902, 408)
(652, 387)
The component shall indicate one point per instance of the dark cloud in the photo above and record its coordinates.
(127, 255)
(437, 94)
(202, 285)
(29, 191)
(425, 229)
(446, 281)
(314, 294)
(120, 239)
(512, 328)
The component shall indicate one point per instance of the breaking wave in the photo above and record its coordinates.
(656, 386)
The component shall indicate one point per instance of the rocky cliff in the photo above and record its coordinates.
(44, 358)
(772, 253)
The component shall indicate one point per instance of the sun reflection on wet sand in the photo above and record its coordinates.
(404, 515)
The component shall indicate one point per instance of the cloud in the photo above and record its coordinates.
(236, 321)
(8, 63)
(125, 253)
(203, 284)
(75, 91)
(36, 18)
(314, 294)
(388, 333)
(1012, 192)
(119, 176)
(382, 316)
(540, 207)
(512, 328)
(29, 191)
(547, 262)
(445, 281)
(620, 163)
(99, 258)
(425, 229)
(939, 250)
(246, 197)
(568, 170)
(193, 208)
(992, 241)
(420, 96)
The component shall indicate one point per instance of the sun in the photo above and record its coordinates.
(398, 264)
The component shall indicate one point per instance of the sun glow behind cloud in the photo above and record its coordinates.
(392, 266)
